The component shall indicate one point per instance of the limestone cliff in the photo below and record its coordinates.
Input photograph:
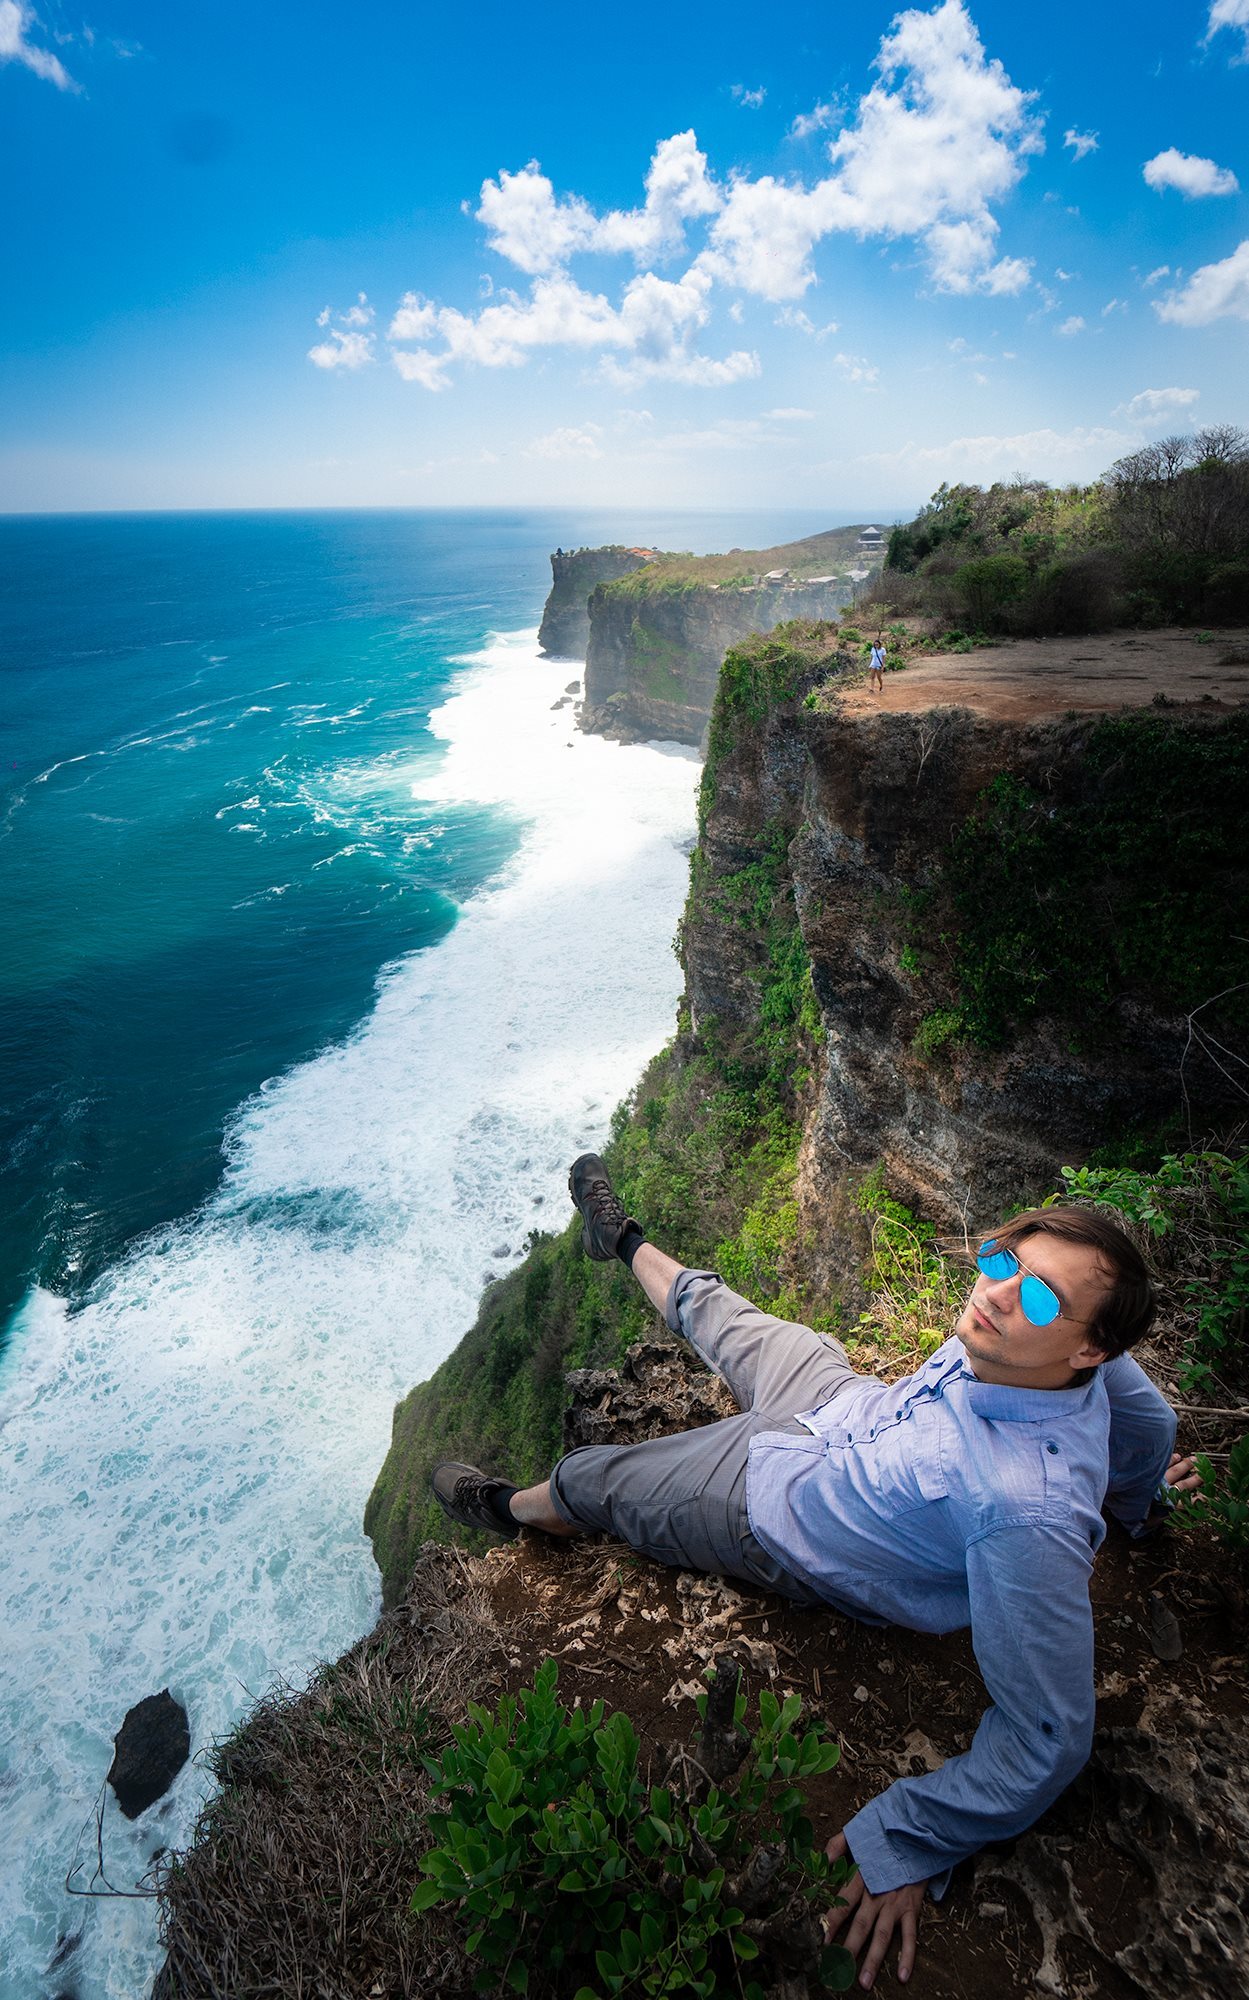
(654, 654)
(565, 628)
(1011, 909)
(657, 639)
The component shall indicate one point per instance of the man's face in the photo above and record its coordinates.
(1002, 1345)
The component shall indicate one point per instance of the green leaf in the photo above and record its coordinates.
(518, 1976)
(425, 1895)
(573, 1882)
(744, 1946)
(630, 1949)
(836, 1969)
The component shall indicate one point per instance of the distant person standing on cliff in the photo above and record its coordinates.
(876, 675)
(969, 1493)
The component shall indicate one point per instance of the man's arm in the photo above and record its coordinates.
(1032, 1628)
(1142, 1440)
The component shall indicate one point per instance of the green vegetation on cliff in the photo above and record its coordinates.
(704, 1152)
(1162, 538)
(833, 551)
(1059, 901)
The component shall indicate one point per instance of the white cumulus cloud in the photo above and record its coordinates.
(752, 99)
(1070, 327)
(941, 135)
(1073, 454)
(1153, 407)
(16, 21)
(818, 119)
(569, 442)
(1216, 291)
(1188, 172)
(342, 350)
(1081, 143)
(1232, 14)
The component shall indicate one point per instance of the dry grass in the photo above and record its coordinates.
(298, 1880)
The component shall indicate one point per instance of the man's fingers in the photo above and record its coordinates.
(910, 1935)
(850, 1893)
(885, 1922)
(864, 1918)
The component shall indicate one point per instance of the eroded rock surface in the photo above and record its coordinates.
(1172, 1795)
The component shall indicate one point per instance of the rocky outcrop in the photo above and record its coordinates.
(565, 629)
(655, 649)
(870, 804)
(149, 1750)
(1172, 1795)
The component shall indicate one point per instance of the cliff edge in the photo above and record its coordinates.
(565, 629)
(657, 638)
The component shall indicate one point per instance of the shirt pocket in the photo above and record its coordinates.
(895, 1464)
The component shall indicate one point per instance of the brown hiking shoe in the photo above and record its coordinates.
(602, 1212)
(463, 1493)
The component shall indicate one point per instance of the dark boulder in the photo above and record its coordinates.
(149, 1750)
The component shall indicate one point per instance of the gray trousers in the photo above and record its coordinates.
(682, 1499)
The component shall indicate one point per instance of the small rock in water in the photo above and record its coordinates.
(574, 687)
(501, 1250)
(149, 1750)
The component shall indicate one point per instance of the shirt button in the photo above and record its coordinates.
(1052, 1449)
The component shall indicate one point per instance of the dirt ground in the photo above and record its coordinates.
(1028, 679)
(638, 1636)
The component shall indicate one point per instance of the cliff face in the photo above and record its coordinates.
(565, 629)
(971, 1091)
(654, 651)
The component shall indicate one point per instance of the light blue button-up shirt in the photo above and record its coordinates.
(942, 1501)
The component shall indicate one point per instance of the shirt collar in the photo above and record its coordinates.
(1004, 1404)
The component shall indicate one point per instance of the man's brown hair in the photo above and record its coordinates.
(1126, 1313)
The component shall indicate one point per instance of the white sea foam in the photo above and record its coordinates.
(186, 1459)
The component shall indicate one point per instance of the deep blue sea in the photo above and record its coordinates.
(325, 941)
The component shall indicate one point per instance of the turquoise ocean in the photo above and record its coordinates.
(325, 942)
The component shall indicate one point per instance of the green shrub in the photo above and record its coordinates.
(987, 585)
(938, 1029)
(916, 1293)
(1196, 1208)
(1227, 591)
(1222, 1504)
(560, 1856)
(1063, 903)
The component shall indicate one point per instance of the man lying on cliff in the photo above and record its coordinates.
(969, 1493)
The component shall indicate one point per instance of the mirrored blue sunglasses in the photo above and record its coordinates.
(1041, 1306)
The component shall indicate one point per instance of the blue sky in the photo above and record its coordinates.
(701, 256)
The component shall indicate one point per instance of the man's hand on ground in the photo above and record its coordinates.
(1182, 1475)
(874, 1917)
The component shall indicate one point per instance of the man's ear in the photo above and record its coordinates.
(1089, 1356)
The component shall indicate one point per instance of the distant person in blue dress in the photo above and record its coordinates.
(876, 674)
(967, 1494)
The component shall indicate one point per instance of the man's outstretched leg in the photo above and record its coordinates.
(773, 1368)
(473, 1498)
